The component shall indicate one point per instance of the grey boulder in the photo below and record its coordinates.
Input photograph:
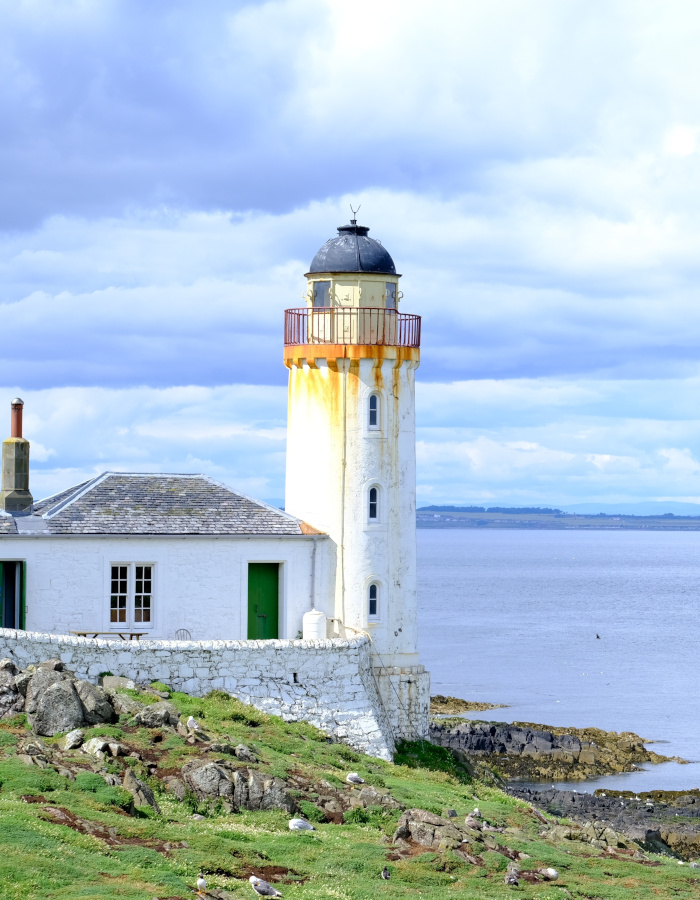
(142, 794)
(11, 701)
(245, 788)
(207, 780)
(96, 706)
(158, 715)
(57, 708)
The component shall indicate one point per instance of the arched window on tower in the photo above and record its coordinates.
(373, 602)
(374, 410)
(373, 504)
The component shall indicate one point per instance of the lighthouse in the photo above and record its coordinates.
(352, 355)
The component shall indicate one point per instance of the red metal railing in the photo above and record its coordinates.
(349, 325)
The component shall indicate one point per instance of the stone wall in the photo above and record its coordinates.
(328, 683)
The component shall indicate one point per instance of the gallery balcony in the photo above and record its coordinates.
(350, 325)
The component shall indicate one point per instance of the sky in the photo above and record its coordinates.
(169, 169)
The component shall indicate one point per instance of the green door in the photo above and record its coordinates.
(263, 596)
(12, 594)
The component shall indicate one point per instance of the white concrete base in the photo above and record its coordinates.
(405, 694)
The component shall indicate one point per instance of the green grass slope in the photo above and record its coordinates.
(68, 839)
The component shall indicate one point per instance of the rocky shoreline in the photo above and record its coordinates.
(533, 752)
(658, 821)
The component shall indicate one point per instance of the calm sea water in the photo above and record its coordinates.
(512, 616)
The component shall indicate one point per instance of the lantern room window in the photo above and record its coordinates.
(390, 295)
(322, 294)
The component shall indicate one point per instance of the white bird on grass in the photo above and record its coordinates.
(262, 888)
(354, 778)
(201, 884)
(386, 874)
(193, 724)
(476, 813)
(300, 825)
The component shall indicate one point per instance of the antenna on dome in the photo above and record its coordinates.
(354, 212)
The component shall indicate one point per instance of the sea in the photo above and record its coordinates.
(571, 628)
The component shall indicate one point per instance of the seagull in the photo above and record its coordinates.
(476, 813)
(262, 888)
(300, 825)
(598, 636)
(193, 724)
(511, 877)
(201, 884)
(354, 778)
(386, 874)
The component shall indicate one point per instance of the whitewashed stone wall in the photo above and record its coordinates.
(327, 683)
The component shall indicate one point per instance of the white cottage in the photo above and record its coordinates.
(159, 556)
(184, 557)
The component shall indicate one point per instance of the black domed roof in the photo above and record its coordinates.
(353, 251)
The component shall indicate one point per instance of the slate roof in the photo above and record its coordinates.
(123, 503)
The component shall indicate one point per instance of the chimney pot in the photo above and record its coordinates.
(16, 421)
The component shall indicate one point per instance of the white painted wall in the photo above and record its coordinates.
(334, 458)
(200, 582)
(328, 683)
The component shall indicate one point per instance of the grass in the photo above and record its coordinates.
(160, 855)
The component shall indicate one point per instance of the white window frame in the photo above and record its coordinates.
(131, 623)
(376, 519)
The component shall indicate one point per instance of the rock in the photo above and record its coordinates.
(73, 739)
(58, 708)
(370, 796)
(38, 683)
(112, 682)
(158, 715)
(471, 822)
(96, 707)
(175, 787)
(246, 788)
(124, 704)
(96, 747)
(425, 828)
(22, 680)
(245, 754)
(65, 773)
(548, 874)
(11, 701)
(117, 749)
(111, 780)
(207, 780)
(184, 731)
(52, 665)
(142, 794)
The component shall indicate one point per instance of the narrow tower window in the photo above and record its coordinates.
(374, 411)
(390, 295)
(373, 604)
(373, 504)
(322, 294)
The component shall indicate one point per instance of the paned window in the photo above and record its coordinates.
(374, 411)
(373, 504)
(322, 293)
(373, 602)
(390, 295)
(131, 595)
(143, 594)
(120, 587)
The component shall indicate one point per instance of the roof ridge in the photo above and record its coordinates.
(77, 495)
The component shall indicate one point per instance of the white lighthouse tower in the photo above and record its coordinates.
(352, 357)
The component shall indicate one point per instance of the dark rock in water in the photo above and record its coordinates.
(535, 752)
(611, 821)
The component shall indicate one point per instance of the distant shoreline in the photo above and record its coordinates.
(555, 521)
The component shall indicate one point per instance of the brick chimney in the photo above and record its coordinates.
(14, 496)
